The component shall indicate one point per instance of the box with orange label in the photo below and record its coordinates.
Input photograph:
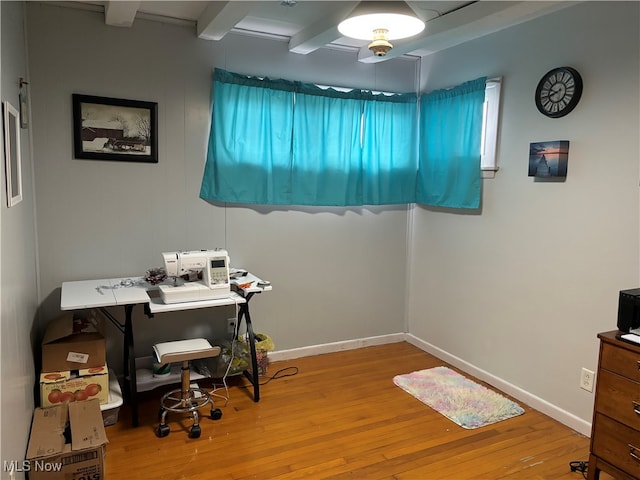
(74, 386)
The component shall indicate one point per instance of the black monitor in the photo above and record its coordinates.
(629, 310)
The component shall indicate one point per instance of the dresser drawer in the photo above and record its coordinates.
(618, 398)
(623, 362)
(617, 444)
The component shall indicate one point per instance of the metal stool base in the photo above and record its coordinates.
(185, 400)
(182, 402)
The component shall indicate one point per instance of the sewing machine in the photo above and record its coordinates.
(212, 265)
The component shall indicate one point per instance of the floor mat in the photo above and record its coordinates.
(461, 400)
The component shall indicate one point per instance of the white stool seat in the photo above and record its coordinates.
(181, 350)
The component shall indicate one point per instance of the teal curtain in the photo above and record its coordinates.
(449, 172)
(390, 140)
(290, 143)
(327, 164)
(249, 151)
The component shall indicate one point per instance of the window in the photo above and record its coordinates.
(280, 142)
(489, 142)
(449, 173)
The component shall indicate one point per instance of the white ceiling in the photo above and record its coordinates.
(308, 25)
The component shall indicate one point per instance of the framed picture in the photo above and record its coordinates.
(115, 129)
(548, 159)
(12, 160)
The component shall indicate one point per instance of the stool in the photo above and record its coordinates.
(185, 399)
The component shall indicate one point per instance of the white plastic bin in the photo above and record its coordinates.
(111, 409)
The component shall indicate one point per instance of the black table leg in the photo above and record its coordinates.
(253, 375)
(130, 363)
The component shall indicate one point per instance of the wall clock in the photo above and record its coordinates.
(558, 92)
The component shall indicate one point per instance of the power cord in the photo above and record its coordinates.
(579, 467)
(225, 397)
(280, 374)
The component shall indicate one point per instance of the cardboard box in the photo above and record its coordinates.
(72, 342)
(74, 385)
(68, 442)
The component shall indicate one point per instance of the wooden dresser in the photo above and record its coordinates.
(615, 432)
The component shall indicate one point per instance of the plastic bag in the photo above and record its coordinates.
(239, 358)
(263, 342)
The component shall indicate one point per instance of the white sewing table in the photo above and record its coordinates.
(129, 292)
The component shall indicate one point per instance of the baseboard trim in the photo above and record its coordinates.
(335, 347)
(566, 418)
(533, 401)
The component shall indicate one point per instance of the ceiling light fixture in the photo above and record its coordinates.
(381, 22)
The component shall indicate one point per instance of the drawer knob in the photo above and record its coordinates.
(634, 452)
(636, 407)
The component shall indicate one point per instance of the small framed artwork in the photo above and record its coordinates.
(548, 159)
(12, 159)
(115, 129)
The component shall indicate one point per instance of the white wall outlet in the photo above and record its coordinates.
(231, 325)
(586, 380)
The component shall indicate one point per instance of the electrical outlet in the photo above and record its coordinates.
(586, 380)
(231, 325)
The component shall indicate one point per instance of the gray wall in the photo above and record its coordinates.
(18, 286)
(337, 273)
(521, 290)
(518, 292)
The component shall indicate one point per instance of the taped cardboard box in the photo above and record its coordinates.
(74, 386)
(72, 342)
(68, 442)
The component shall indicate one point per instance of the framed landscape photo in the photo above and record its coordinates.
(548, 159)
(115, 129)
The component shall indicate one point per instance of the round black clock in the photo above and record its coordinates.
(559, 92)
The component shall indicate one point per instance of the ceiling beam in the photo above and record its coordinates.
(322, 32)
(120, 14)
(220, 17)
(468, 23)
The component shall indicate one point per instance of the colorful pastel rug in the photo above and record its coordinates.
(461, 400)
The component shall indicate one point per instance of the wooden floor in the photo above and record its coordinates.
(340, 417)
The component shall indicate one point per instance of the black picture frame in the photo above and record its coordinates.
(115, 129)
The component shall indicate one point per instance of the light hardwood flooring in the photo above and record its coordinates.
(340, 417)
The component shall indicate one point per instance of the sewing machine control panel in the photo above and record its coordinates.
(218, 271)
